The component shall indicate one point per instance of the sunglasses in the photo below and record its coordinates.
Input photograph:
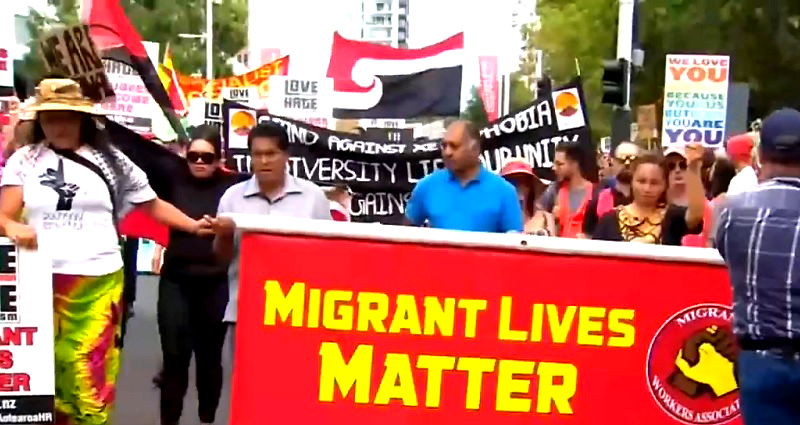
(205, 158)
(677, 164)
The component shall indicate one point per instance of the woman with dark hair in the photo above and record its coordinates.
(529, 187)
(193, 290)
(74, 186)
(649, 218)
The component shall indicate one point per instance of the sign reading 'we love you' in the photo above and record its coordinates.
(695, 99)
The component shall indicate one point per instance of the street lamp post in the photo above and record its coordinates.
(208, 38)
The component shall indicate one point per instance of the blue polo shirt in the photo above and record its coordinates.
(486, 204)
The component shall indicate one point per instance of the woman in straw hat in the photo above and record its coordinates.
(74, 186)
(529, 187)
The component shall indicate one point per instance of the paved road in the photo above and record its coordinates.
(137, 399)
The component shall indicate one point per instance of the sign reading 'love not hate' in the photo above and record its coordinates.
(695, 99)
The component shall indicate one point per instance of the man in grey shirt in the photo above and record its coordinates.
(271, 191)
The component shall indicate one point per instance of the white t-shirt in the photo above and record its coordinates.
(743, 181)
(70, 208)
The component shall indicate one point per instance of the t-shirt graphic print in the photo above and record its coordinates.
(54, 179)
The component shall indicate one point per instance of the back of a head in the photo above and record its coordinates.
(269, 130)
(780, 138)
(740, 148)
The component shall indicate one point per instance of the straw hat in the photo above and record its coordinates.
(58, 94)
(521, 167)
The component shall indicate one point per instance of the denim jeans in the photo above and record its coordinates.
(769, 388)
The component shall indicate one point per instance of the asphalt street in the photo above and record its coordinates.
(137, 398)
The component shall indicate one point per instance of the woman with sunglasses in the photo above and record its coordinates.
(649, 218)
(193, 290)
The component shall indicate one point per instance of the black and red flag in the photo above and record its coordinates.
(377, 81)
(118, 40)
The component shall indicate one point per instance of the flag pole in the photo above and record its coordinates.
(209, 39)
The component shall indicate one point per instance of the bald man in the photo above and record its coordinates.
(465, 195)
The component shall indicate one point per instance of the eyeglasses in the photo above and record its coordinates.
(204, 158)
(677, 164)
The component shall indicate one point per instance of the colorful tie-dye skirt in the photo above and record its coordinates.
(86, 317)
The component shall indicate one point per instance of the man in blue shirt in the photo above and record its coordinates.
(759, 237)
(465, 195)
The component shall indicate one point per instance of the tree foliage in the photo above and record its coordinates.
(162, 21)
(762, 38)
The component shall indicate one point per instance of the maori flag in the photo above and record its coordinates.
(118, 40)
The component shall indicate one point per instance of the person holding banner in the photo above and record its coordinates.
(270, 191)
(74, 186)
(649, 218)
(465, 195)
(758, 237)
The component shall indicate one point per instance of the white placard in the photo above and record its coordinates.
(27, 369)
(300, 98)
(695, 100)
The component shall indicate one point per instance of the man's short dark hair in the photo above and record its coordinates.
(269, 130)
(573, 151)
(473, 132)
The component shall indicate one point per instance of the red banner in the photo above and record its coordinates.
(338, 330)
(194, 87)
(489, 89)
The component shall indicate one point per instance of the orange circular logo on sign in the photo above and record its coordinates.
(691, 366)
(567, 104)
(242, 122)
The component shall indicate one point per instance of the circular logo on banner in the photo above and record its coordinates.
(691, 366)
(567, 104)
(242, 122)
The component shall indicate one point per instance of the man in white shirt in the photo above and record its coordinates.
(740, 152)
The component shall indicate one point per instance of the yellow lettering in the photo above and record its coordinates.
(397, 381)
(369, 316)
(285, 306)
(443, 318)
(436, 365)
(471, 309)
(505, 332)
(335, 316)
(559, 330)
(313, 308)
(475, 368)
(335, 372)
(619, 323)
(550, 393)
(406, 316)
(537, 323)
(507, 386)
(587, 325)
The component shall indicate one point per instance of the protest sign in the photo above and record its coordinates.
(70, 52)
(27, 371)
(8, 42)
(695, 100)
(300, 98)
(424, 332)
(383, 173)
(194, 87)
(132, 104)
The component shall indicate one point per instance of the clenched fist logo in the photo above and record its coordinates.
(706, 364)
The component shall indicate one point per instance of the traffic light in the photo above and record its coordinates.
(616, 82)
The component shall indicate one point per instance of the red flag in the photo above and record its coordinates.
(117, 39)
(489, 89)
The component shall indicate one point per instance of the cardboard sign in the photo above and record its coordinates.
(27, 383)
(71, 53)
(419, 326)
(211, 90)
(244, 95)
(300, 98)
(7, 44)
(695, 100)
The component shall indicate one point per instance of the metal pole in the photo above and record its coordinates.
(625, 39)
(210, 39)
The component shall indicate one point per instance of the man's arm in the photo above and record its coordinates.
(511, 211)
(224, 229)
(416, 211)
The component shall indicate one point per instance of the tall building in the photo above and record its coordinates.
(385, 22)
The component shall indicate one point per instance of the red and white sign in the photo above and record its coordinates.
(398, 325)
(489, 89)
